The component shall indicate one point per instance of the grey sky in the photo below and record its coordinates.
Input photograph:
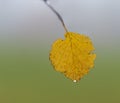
(96, 18)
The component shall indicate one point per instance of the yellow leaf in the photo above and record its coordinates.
(73, 56)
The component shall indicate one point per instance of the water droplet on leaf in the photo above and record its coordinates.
(74, 81)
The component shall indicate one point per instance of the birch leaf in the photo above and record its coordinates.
(73, 56)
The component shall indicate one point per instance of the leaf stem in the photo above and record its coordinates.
(58, 15)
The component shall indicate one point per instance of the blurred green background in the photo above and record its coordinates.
(28, 29)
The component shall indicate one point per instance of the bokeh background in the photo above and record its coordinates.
(27, 30)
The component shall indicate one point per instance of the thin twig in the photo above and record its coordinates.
(58, 15)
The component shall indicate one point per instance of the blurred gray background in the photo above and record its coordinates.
(97, 18)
